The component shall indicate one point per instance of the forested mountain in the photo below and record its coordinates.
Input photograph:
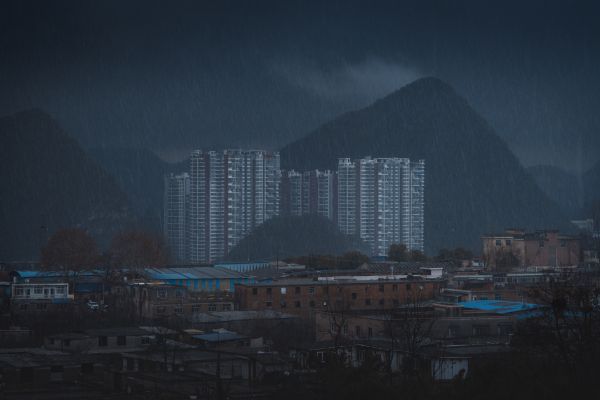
(474, 183)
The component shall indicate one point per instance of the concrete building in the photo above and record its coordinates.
(176, 198)
(231, 193)
(543, 249)
(382, 201)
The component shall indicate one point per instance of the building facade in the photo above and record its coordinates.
(382, 201)
(176, 199)
(231, 193)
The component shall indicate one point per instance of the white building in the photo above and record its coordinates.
(382, 201)
(177, 191)
(231, 193)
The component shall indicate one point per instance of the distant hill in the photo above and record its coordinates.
(474, 184)
(48, 182)
(292, 236)
(591, 182)
(564, 188)
(139, 174)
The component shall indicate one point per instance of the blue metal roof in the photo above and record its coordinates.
(499, 306)
(216, 337)
(185, 273)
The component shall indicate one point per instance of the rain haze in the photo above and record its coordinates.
(299, 199)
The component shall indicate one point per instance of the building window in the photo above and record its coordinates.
(505, 329)
(227, 307)
(345, 329)
(269, 304)
(312, 304)
(161, 293)
(297, 290)
(283, 290)
(178, 293)
(453, 331)
(357, 330)
(353, 296)
(102, 341)
(178, 309)
(38, 290)
(481, 330)
(381, 302)
(367, 302)
(212, 307)
(563, 243)
(498, 242)
(145, 340)
(381, 287)
(370, 332)
(196, 308)
(508, 242)
(395, 287)
(541, 243)
(311, 290)
(297, 304)
(121, 340)
(254, 291)
(269, 291)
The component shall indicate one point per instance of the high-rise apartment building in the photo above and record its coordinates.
(176, 196)
(311, 192)
(381, 200)
(231, 193)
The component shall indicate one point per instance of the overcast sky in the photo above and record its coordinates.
(176, 75)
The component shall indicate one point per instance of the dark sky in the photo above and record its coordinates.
(173, 75)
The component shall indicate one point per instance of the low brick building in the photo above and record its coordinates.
(547, 248)
(304, 297)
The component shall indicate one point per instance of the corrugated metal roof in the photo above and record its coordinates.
(499, 306)
(184, 273)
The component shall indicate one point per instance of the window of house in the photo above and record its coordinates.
(312, 304)
(367, 302)
(311, 290)
(102, 341)
(227, 307)
(269, 291)
(254, 291)
(297, 290)
(178, 293)
(453, 331)
(121, 340)
(60, 290)
(297, 304)
(541, 243)
(87, 368)
(38, 290)
(269, 304)
(381, 302)
(283, 304)
(353, 296)
(145, 340)
(357, 330)
(408, 286)
(481, 330)
(370, 332)
(508, 242)
(381, 287)
(498, 242)
(505, 329)
(212, 307)
(345, 329)
(178, 309)
(196, 308)
(563, 243)
(161, 293)
(18, 291)
(283, 290)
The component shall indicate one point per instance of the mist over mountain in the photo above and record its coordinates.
(48, 182)
(139, 173)
(565, 188)
(292, 236)
(473, 182)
